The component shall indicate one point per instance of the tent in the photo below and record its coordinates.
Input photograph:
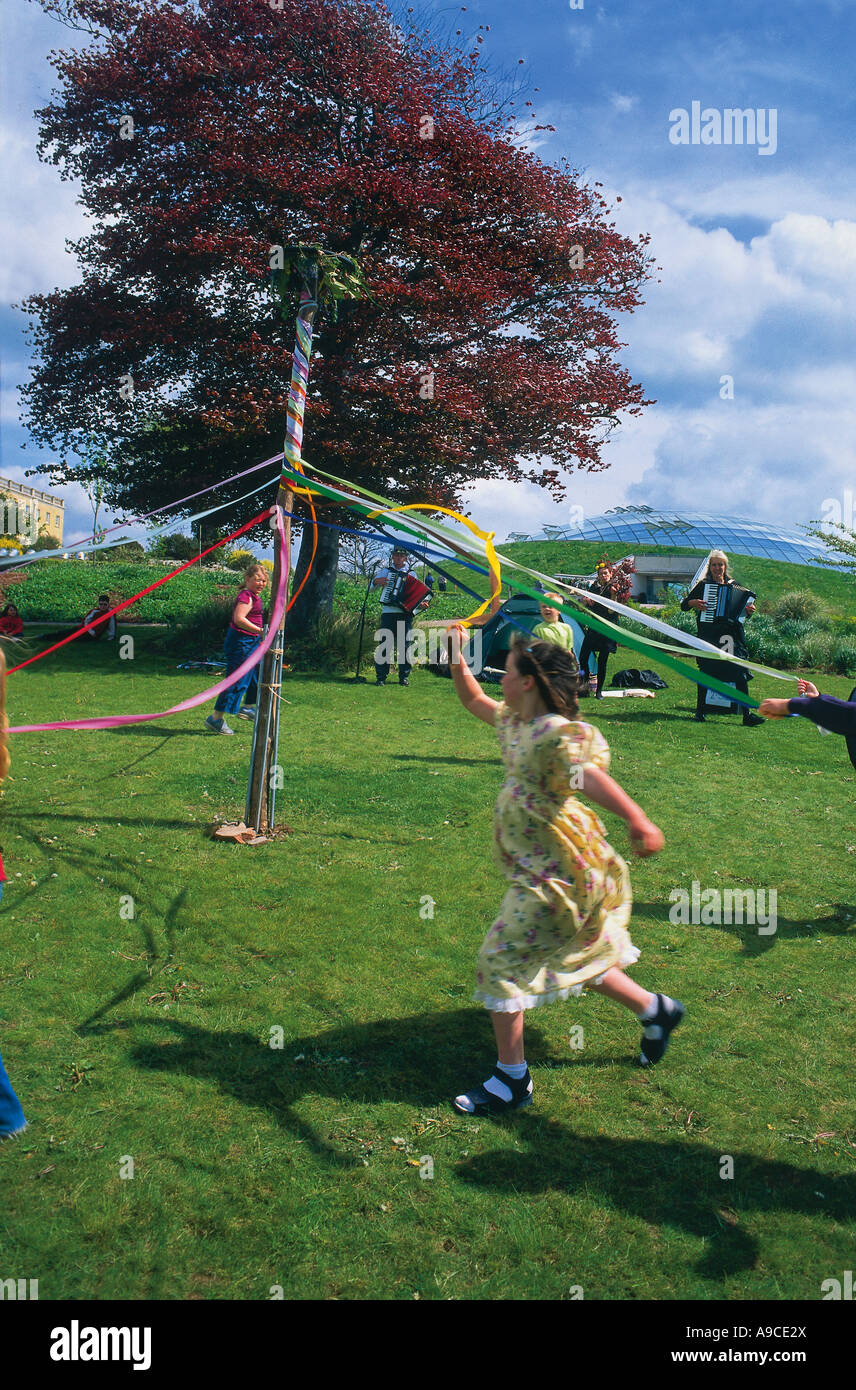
(488, 647)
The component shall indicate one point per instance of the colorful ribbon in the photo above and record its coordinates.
(118, 720)
(299, 376)
(486, 536)
(10, 562)
(656, 651)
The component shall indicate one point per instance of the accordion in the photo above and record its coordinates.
(724, 603)
(407, 591)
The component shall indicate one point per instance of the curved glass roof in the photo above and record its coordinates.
(700, 530)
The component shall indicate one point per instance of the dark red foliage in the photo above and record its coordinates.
(255, 126)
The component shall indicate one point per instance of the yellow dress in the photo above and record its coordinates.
(563, 921)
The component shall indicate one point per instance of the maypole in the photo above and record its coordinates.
(322, 277)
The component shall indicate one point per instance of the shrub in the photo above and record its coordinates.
(176, 547)
(199, 634)
(240, 559)
(844, 658)
(816, 650)
(332, 646)
(797, 603)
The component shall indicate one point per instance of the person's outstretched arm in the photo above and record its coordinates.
(470, 693)
(839, 716)
(602, 789)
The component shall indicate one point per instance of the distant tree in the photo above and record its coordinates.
(174, 547)
(839, 540)
(358, 555)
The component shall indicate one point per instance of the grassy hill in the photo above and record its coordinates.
(769, 578)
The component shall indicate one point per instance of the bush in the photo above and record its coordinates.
(844, 659)
(240, 559)
(795, 629)
(816, 650)
(199, 635)
(332, 646)
(132, 552)
(48, 541)
(174, 548)
(798, 604)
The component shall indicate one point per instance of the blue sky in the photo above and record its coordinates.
(757, 252)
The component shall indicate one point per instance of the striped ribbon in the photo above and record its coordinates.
(299, 377)
(118, 720)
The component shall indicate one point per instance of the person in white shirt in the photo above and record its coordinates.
(395, 621)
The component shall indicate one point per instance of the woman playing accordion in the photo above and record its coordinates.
(721, 608)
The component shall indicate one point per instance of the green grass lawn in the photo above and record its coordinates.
(148, 1037)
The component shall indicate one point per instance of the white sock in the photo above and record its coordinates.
(655, 1030)
(650, 1010)
(515, 1070)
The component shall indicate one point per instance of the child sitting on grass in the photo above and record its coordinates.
(563, 921)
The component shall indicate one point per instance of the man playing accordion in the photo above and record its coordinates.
(721, 607)
(396, 617)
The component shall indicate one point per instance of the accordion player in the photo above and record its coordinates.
(721, 608)
(402, 595)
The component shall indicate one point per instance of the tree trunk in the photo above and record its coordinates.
(317, 596)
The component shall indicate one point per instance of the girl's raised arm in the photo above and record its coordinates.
(470, 693)
(647, 838)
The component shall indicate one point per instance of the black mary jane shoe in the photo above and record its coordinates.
(485, 1103)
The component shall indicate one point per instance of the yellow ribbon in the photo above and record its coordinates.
(486, 536)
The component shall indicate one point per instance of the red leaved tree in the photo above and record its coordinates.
(207, 134)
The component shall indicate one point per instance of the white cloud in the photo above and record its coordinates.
(623, 103)
(35, 222)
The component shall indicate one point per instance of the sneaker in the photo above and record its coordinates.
(750, 720)
(405, 680)
(221, 728)
(383, 682)
(248, 712)
(655, 1036)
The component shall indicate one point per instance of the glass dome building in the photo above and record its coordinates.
(641, 525)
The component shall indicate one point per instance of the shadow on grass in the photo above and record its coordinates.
(840, 922)
(417, 1061)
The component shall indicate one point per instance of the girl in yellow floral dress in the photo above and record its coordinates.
(563, 921)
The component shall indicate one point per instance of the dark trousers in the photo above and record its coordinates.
(731, 675)
(590, 645)
(394, 629)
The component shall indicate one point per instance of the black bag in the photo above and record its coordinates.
(645, 680)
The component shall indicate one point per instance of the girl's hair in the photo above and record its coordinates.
(4, 723)
(555, 671)
(254, 569)
(5, 612)
(718, 555)
(557, 597)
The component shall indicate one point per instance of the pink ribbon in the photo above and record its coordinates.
(115, 721)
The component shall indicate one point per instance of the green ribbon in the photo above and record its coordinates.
(654, 651)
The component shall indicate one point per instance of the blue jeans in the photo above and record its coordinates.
(237, 648)
(11, 1115)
